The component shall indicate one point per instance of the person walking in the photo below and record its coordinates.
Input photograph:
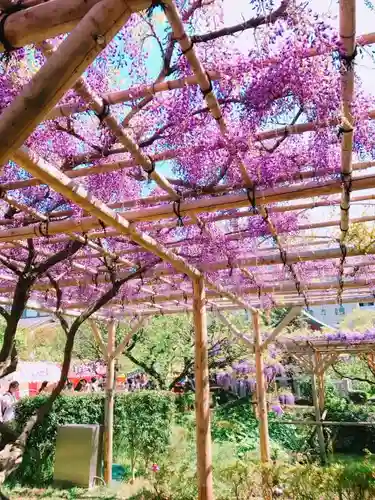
(8, 402)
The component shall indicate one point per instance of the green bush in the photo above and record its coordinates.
(351, 439)
(239, 425)
(142, 428)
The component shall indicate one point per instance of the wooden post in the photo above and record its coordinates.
(202, 394)
(109, 404)
(319, 427)
(261, 393)
(320, 381)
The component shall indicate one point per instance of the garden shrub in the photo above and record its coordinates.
(352, 440)
(239, 424)
(142, 428)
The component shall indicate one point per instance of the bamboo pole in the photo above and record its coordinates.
(110, 312)
(347, 53)
(227, 202)
(261, 392)
(109, 404)
(59, 73)
(62, 184)
(202, 394)
(107, 167)
(322, 446)
(130, 94)
(49, 19)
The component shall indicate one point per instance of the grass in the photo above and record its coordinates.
(120, 491)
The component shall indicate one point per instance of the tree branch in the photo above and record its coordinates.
(357, 379)
(251, 23)
(71, 248)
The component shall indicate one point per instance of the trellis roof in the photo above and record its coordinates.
(187, 174)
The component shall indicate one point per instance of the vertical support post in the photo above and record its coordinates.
(202, 394)
(261, 392)
(320, 380)
(319, 427)
(109, 404)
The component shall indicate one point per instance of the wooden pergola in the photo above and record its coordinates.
(270, 273)
(315, 355)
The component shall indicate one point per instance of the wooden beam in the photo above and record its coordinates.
(288, 318)
(119, 349)
(261, 392)
(109, 404)
(98, 338)
(320, 381)
(318, 419)
(234, 330)
(58, 181)
(58, 74)
(202, 394)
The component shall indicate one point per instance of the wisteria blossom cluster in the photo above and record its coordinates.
(288, 74)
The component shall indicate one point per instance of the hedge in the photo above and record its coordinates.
(142, 428)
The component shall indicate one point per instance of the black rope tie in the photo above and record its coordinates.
(185, 297)
(347, 61)
(209, 90)
(104, 112)
(347, 182)
(230, 266)
(177, 212)
(184, 52)
(103, 226)
(43, 228)
(342, 130)
(252, 198)
(283, 256)
(344, 253)
(151, 169)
